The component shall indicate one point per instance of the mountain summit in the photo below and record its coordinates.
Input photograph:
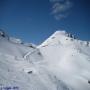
(62, 37)
(58, 37)
(62, 33)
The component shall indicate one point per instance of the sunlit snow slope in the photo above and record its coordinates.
(68, 59)
(60, 63)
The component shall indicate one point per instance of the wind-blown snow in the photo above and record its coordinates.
(60, 63)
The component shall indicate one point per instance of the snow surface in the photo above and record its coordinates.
(60, 63)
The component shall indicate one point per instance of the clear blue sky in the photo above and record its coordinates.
(35, 20)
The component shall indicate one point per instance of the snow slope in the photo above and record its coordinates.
(68, 59)
(60, 63)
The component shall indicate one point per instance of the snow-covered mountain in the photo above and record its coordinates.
(60, 63)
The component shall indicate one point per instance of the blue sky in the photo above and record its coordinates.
(35, 20)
